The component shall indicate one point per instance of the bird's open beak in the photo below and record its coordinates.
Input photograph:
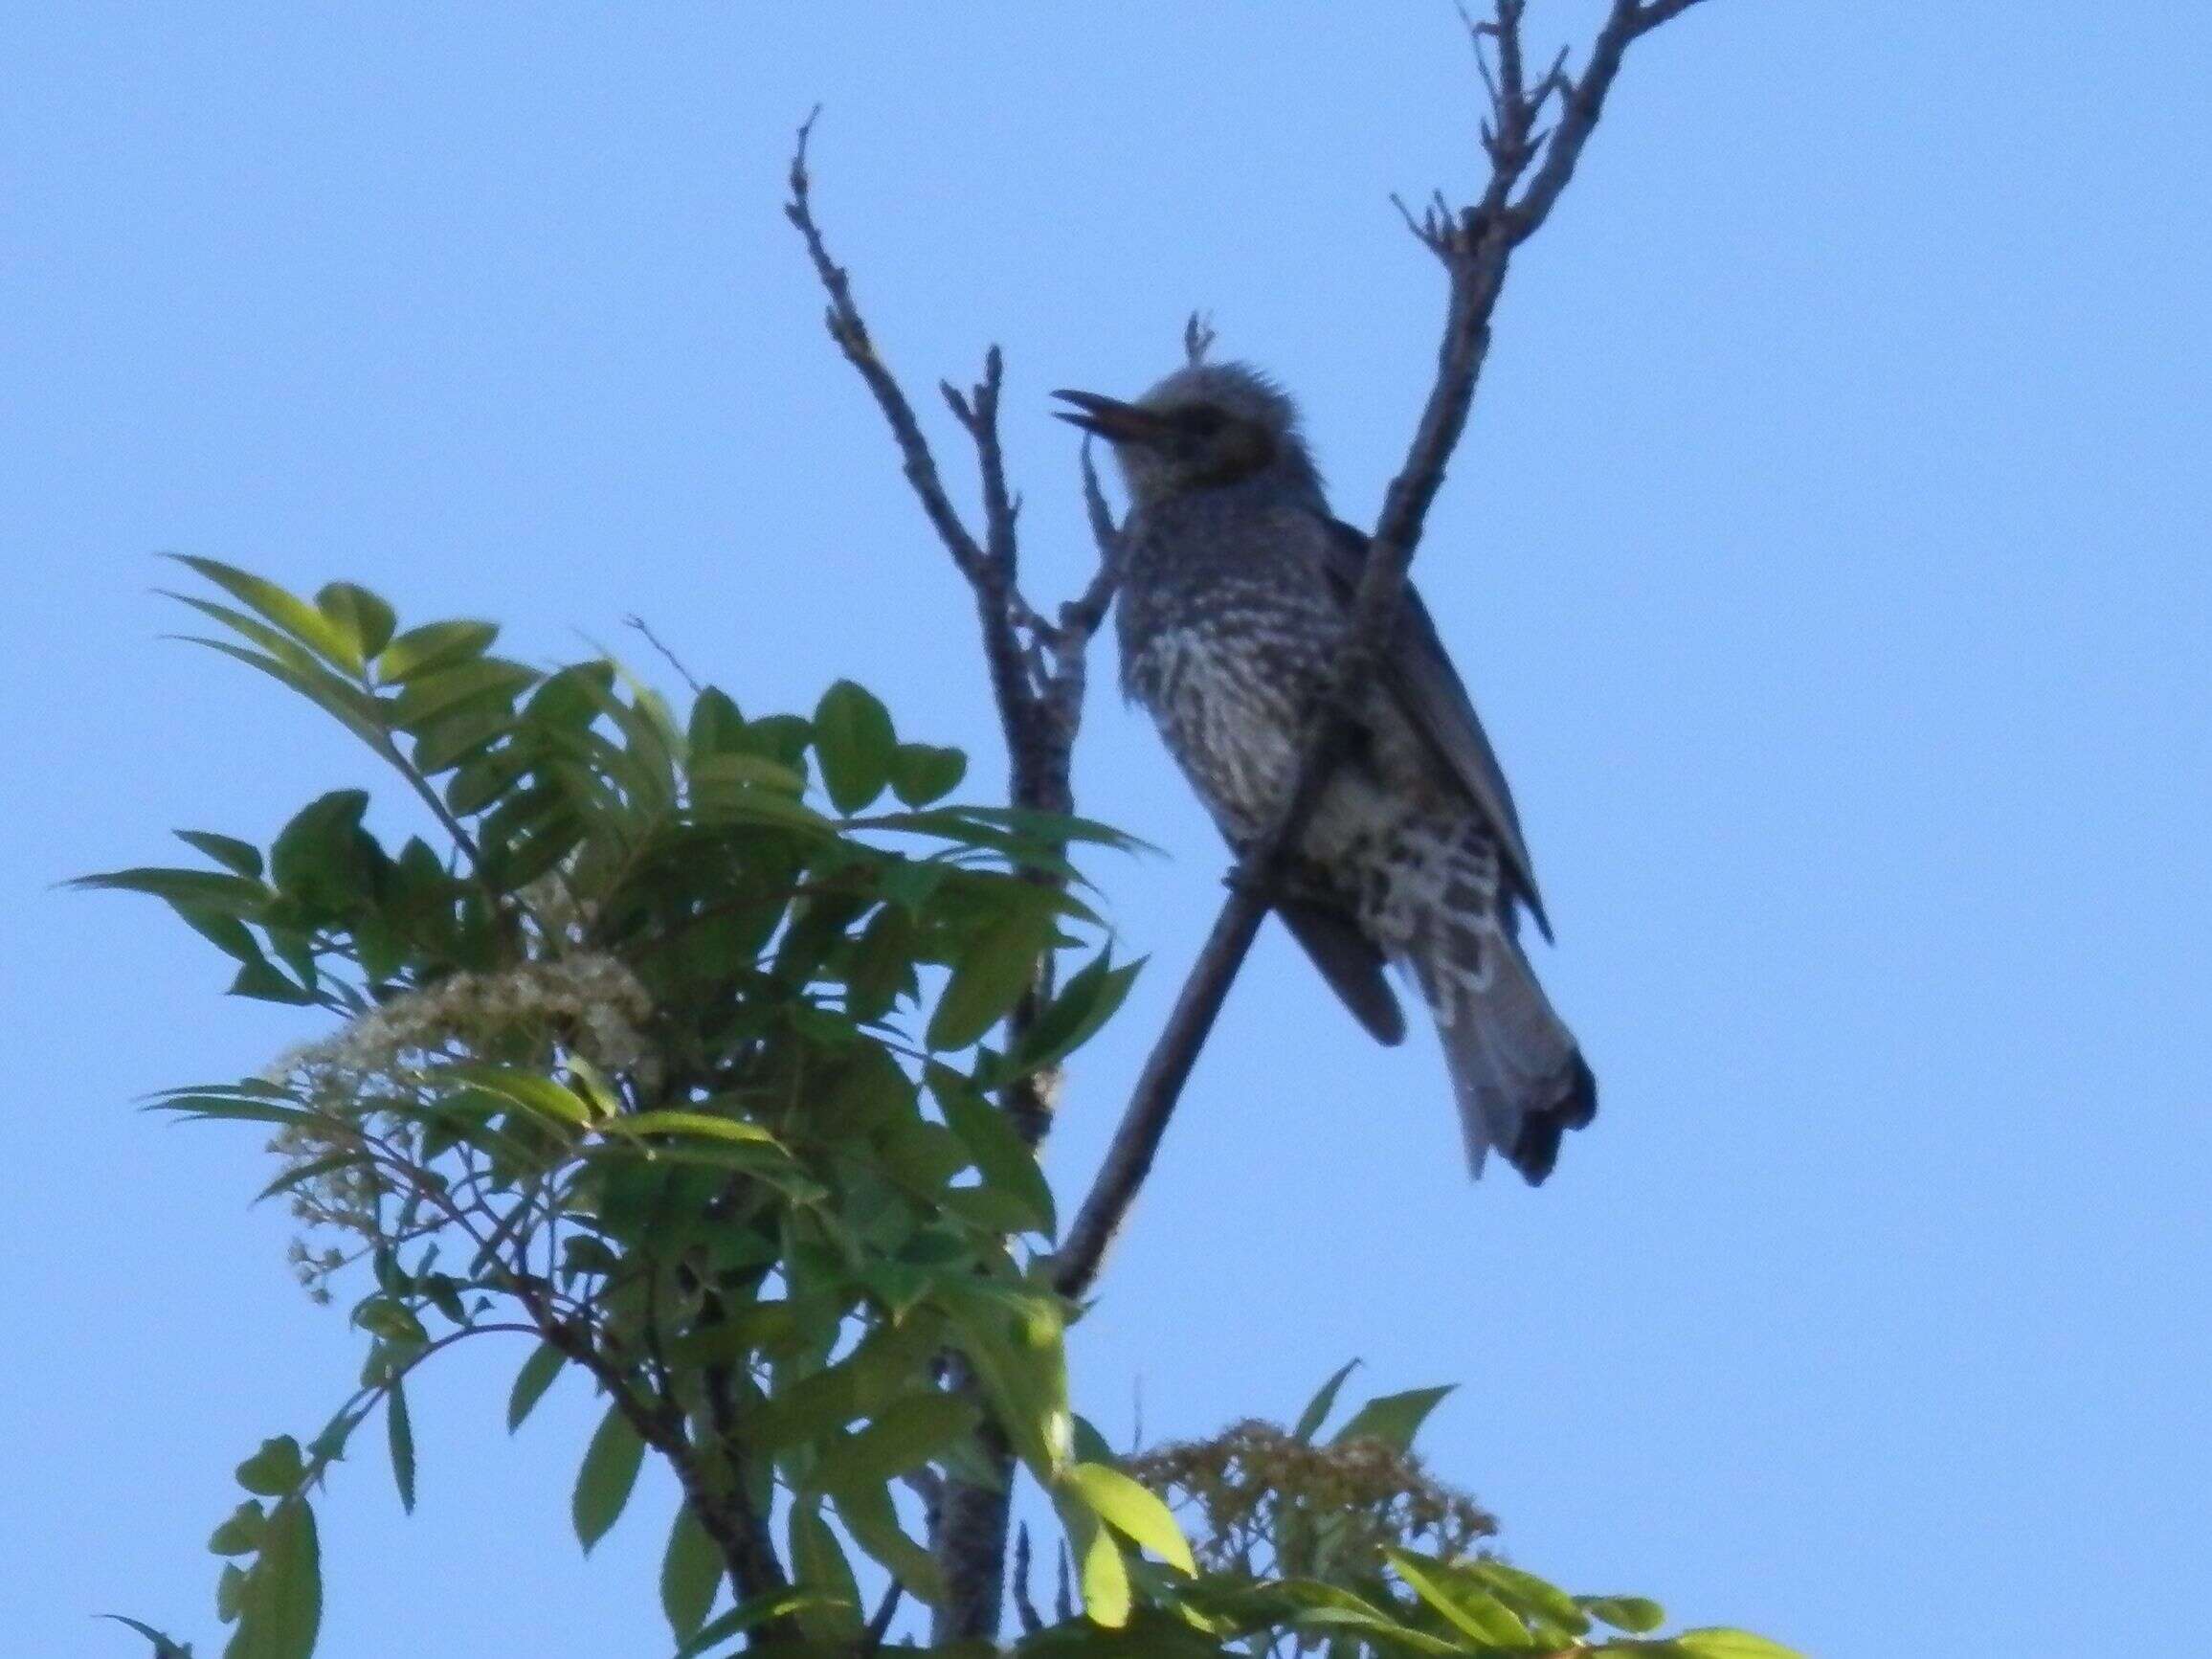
(1111, 419)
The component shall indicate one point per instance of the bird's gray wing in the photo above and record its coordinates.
(1429, 689)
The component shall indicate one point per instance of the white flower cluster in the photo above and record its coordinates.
(586, 1002)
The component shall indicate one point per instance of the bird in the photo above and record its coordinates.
(1236, 589)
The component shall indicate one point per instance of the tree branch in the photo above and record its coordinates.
(1476, 246)
(1038, 672)
(988, 565)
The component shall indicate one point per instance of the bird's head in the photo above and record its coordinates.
(1201, 428)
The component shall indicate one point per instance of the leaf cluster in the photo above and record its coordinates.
(666, 1043)
(1305, 1545)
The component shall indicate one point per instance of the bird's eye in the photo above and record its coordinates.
(1201, 419)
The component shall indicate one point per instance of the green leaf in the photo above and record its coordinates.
(240, 1103)
(1466, 1607)
(1635, 1614)
(1058, 826)
(275, 1469)
(303, 621)
(208, 1109)
(1133, 1508)
(165, 1647)
(1390, 1635)
(904, 1435)
(533, 1092)
(744, 771)
(591, 1085)
(778, 1329)
(227, 933)
(330, 1163)
(265, 982)
(1091, 997)
(672, 1121)
(281, 1605)
(531, 1383)
(280, 645)
(819, 1564)
(1323, 1402)
(349, 706)
(239, 1533)
(364, 617)
(746, 803)
(1001, 1156)
(690, 1575)
(881, 965)
(239, 858)
(444, 1293)
(817, 1405)
(869, 1514)
(1023, 1370)
(392, 1320)
(483, 781)
(746, 1615)
(532, 852)
(461, 736)
(572, 697)
(988, 978)
(922, 772)
(854, 743)
(716, 727)
(781, 737)
(1393, 1419)
(609, 1472)
(399, 1437)
(1716, 1642)
(433, 646)
(322, 856)
(1101, 1573)
(434, 694)
(202, 889)
(1535, 1597)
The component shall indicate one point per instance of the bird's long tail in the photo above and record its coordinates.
(1517, 1073)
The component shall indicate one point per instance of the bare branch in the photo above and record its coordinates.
(1038, 672)
(879, 1625)
(1084, 615)
(978, 413)
(654, 640)
(1476, 246)
(988, 565)
(850, 331)
(1024, 1609)
(1198, 338)
(1582, 100)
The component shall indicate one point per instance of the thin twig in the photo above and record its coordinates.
(1024, 1609)
(1083, 615)
(879, 1623)
(1038, 672)
(1198, 338)
(990, 574)
(673, 660)
(1476, 246)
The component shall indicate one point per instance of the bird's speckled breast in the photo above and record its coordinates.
(1227, 627)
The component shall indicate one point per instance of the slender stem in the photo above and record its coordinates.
(1037, 672)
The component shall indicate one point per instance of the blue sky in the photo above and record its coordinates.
(1828, 556)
